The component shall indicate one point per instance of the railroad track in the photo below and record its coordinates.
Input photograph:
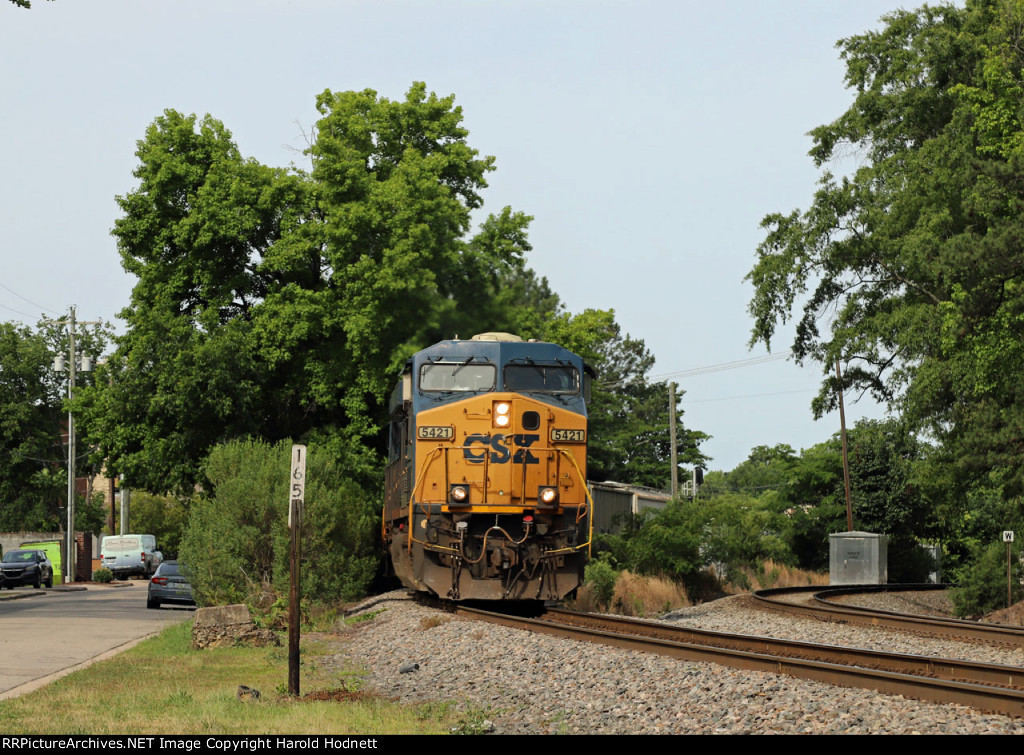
(819, 604)
(986, 687)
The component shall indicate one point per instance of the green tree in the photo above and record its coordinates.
(163, 516)
(89, 514)
(886, 465)
(887, 497)
(601, 577)
(766, 469)
(731, 532)
(277, 303)
(741, 532)
(33, 424)
(969, 512)
(917, 250)
(814, 500)
(30, 427)
(186, 373)
(668, 543)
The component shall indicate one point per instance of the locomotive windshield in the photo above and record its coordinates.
(457, 376)
(542, 378)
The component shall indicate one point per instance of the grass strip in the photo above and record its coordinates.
(163, 686)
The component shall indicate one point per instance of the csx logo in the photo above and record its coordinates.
(476, 446)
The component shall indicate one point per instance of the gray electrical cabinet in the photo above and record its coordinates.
(858, 558)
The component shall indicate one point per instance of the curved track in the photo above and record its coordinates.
(987, 687)
(818, 603)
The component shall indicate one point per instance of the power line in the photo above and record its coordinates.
(663, 377)
(34, 304)
(16, 311)
(752, 361)
(747, 395)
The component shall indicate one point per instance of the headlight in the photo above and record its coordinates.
(547, 496)
(458, 495)
(502, 414)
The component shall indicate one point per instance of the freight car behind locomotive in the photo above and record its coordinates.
(486, 495)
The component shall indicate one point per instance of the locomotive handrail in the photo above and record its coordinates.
(584, 509)
(413, 500)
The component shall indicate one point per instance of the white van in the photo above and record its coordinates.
(126, 555)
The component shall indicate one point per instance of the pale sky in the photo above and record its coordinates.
(647, 139)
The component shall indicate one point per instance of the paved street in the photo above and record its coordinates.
(52, 632)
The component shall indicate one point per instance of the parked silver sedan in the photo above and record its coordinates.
(169, 585)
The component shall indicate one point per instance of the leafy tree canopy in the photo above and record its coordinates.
(766, 469)
(916, 253)
(33, 423)
(280, 303)
(29, 428)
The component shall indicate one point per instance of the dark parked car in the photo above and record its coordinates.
(26, 567)
(169, 585)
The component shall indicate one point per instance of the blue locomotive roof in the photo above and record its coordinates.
(485, 362)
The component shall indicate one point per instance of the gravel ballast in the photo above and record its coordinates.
(526, 683)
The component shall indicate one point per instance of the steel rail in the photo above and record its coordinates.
(986, 697)
(931, 626)
(917, 665)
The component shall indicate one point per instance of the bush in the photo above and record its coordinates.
(600, 578)
(103, 575)
(237, 544)
(669, 543)
(981, 588)
(730, 532)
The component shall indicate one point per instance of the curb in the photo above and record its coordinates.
(73, 587)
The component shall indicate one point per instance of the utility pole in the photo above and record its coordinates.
(672, 438)
(71, 365)
(126, 507)
(846, 463)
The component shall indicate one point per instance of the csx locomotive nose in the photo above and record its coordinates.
(487, 468)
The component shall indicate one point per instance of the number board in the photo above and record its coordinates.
(568, 436)
(298, 490)
(297, 493)
(435, 432)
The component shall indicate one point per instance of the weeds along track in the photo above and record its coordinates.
(819, 603)
(986, 687)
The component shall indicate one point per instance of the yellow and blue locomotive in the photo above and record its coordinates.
(486, 495)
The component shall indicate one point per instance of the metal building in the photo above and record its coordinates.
(616, 502)
(858, 558)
